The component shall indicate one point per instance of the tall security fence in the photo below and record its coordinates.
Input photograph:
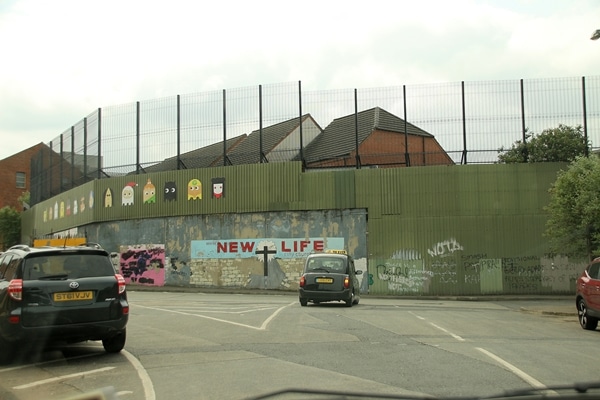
(471, 121)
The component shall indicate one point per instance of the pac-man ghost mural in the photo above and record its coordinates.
(194, 189)
(127, 194)
(149, 193)
(170, 191)
(108, 197)
(218, 187)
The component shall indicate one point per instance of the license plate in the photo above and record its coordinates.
(324, 280)
(73, 296)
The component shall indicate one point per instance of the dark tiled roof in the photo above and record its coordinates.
(204, 157)
(248, 152)
(339, 138)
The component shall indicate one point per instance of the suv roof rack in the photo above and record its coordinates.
(20, 247)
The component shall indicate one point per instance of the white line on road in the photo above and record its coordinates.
(62, 378)
(144, 377)
(455, 336)
(261, 328)
(527, 378)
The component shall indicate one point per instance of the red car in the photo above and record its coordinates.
(588, 296)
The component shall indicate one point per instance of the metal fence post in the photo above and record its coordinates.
(463, 159)
(585, 129)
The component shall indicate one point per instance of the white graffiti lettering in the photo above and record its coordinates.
(445, 248)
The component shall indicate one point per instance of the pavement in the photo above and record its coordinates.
(557, 305)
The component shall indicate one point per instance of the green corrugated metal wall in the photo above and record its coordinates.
(431, 230)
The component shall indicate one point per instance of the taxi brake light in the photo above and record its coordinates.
(302, 281)
(346, 282)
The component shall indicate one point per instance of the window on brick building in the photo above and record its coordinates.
(21, 183)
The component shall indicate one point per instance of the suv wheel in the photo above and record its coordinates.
(586, 322)
(303, 302)
(7, 351)
(116, 343)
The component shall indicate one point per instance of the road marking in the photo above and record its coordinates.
(261, 328)
(206, 310)
(527, 378)
(62, 378)
(455, 336)
(18, 367)
(144, 377)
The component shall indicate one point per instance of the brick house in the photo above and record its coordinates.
(383, 139)
(280, 143)
(15, 176)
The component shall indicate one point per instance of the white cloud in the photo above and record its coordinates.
(66, 58)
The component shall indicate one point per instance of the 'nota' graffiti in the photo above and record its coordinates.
(446, 247)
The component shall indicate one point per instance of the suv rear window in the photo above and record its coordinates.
(67, 266)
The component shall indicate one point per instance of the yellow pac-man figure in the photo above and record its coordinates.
(194, 189)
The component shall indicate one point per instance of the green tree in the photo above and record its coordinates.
(10, 227)
(24, 199)
(573, 226)
(561, 144)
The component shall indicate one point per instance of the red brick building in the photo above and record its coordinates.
(384, 140)
(15, 176)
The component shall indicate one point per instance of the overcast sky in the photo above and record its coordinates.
(62, 59)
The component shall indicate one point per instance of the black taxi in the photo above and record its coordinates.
(329, 276)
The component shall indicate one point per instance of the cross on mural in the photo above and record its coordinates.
(265, 253)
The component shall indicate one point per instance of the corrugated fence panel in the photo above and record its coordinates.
(318, 190)
(70, 209)
(369, 194)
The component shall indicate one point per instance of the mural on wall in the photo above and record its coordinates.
(218, 188)
(277, 247)
(178, 272)
(107, 199)
(194, 190)
(170, 191)
(446, 267)
(69, 206)
(257, 263)
(143, 264)
(127, 194)
(149, 195)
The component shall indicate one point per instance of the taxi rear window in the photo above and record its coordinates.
(327, 264)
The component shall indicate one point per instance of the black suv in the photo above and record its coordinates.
(60, 295)
(329, 276)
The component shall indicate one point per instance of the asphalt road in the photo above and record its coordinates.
(197, 345)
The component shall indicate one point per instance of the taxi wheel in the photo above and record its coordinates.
(303, 302)
(350, 301)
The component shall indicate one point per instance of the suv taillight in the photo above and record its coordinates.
(346, 282)
(302, 281)
(121, 282)
(15, 289)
